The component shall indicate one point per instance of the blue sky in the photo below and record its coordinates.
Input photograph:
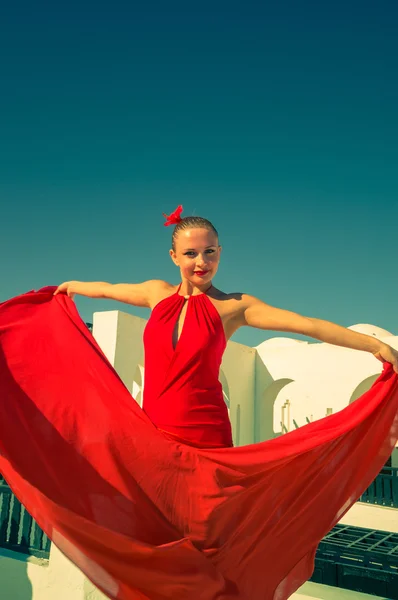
(277, 121)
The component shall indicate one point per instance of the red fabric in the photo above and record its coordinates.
(182, 393)
(150, 518)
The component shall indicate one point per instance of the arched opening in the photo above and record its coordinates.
(265, 411)
(363, 387)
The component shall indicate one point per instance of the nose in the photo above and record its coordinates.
(201, 261)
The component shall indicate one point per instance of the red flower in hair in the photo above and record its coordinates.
(174, 218)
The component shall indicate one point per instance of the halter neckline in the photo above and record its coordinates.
(189, 296)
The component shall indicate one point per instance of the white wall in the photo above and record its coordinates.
(25, 577)
(120, 337)
(238, 369)
(315, 378)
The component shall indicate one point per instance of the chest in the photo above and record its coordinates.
(184, 326)
(179, 324)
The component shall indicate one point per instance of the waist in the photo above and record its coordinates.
(200, 416)
(188, 407)
(207, 437)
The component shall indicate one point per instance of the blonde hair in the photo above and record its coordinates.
(191, 223)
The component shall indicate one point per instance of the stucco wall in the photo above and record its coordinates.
(21, 577)
(120, 338)
(310, 380)
(24, 577)
(238, 371)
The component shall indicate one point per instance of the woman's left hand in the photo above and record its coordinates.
(388, 354)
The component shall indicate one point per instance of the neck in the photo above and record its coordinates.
(187, 288)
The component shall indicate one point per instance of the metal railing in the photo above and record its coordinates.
(384, 489)
(18, 530)
(359, 559)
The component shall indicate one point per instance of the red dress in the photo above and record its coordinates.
(182, 393)
(144, 515)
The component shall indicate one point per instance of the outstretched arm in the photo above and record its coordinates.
(256, 313)
(144, 294)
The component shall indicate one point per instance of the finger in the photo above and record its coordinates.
(60, 289)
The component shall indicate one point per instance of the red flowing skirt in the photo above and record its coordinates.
(147, 517)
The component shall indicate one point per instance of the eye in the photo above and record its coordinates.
(190, 253)
(210, 251)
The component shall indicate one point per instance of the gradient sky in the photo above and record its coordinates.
(277, 121)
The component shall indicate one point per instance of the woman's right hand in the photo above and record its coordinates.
(68, 288)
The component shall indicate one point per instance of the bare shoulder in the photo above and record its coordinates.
(232, 304)
(238, 299)
(159, 290)
(245, 310)
(235, 306)
(231, 307)
(144, 294)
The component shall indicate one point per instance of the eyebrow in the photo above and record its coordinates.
(194, 249)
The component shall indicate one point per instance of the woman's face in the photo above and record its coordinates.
(197, 254)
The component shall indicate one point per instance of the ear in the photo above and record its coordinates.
(173, 257)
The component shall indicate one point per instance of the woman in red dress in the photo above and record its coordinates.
(156, 504)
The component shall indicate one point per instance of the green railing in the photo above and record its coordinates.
(18, 530)
(384, 489)
(359, 559)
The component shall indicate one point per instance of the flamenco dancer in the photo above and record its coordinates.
(156, 503)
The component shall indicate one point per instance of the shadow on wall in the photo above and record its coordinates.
(225, 390)
(233, 415)
(20, 537)
(363, 387)
(14, 581)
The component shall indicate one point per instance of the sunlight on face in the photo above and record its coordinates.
(197, 254)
